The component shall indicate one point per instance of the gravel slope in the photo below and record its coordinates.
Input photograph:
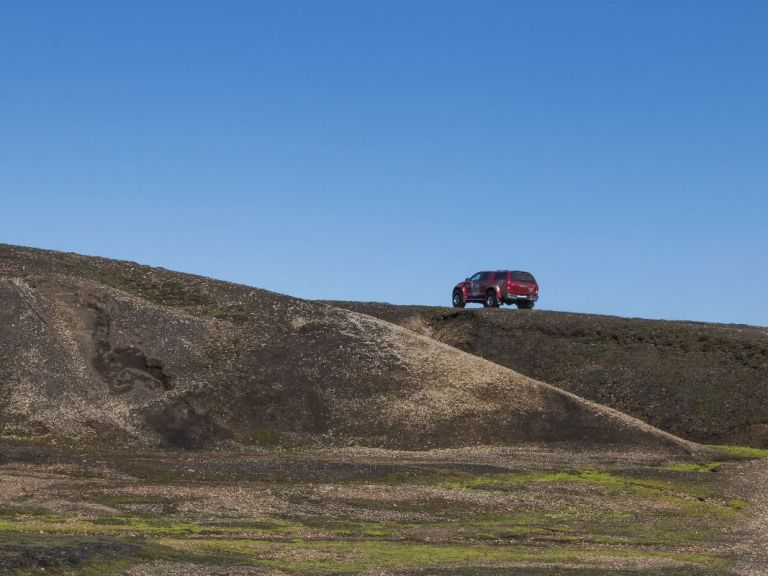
(115, 352)
(704, 382)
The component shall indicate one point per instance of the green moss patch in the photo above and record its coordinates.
(742, 452)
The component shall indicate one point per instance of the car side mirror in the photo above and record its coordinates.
(466, 279)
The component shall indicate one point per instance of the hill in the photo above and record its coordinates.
(101, 350)
(704, 382)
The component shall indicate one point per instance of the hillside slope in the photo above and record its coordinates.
(705, 382)
(94, 349)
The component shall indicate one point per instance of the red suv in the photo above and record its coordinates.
(495, 288)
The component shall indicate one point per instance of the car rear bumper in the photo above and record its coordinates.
(514, 298)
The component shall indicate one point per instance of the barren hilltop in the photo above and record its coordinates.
(96, 349)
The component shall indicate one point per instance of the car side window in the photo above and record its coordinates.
(476, 277)
(483, 276)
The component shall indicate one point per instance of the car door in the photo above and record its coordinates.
(481, 285)
(474, 285)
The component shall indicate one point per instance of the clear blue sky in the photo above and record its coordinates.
(383, 150)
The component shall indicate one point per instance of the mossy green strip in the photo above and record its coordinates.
(746, 452)
(693, 467)
(327, 557)
(648, 487)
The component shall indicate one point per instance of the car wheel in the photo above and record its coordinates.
(458, 299)
(490, 300)
(525, 305)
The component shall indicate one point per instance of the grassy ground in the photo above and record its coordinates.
(530, 510)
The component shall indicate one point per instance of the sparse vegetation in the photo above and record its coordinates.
(390, 513)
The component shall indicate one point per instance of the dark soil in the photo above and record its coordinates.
(56, 554)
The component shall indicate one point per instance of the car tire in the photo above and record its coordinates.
(525, 305)
(491, 300)
(458, 299)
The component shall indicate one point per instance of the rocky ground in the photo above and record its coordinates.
(153, 423)
(531, 510)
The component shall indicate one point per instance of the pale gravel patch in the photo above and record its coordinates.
(347, 502)
(33, 487)
(189, 569)
(539, 455)
(215, 502)
(451, 385)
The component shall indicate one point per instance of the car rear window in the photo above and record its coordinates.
(522, 277)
